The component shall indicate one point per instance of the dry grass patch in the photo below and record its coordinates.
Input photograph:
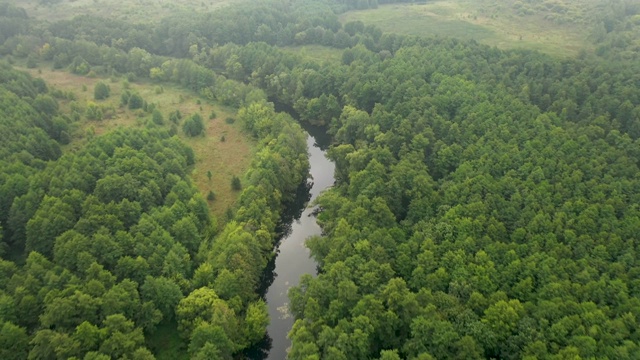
(224, 159)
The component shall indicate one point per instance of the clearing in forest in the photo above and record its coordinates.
(489, 22)
(134, 11)
(224, 149)
(317, 53)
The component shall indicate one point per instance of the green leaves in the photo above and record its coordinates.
(14, 342)
(101, 91)
(52, 219)
(256, 321)
(193, 126)
(204, 306)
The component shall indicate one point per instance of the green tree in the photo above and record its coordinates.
(135, 101)
(88, 337)
(208, 352)
(52, 219)
(256, 321)
(14, 342)
(235, 183)
(157, 117)
(175, 117)
(101, 91)
(502, 318)
(163, 293)
(206, 333)
(204, 306)
(121, 337)
(193, 126)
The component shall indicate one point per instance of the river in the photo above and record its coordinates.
(292, 257)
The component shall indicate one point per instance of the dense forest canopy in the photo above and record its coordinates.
(486, 203)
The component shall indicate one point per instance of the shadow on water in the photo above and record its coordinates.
(259, 351)
(292, 212)
(319, 133)
(291, 258)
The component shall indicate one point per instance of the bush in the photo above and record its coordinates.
(193, 126)
(157, 117)
(212, 115)
(135, 102)
(230, 120)
(211, 196)
(94, 112)
(236, 184)
(175, 117)
(101, 91)
(124, 98)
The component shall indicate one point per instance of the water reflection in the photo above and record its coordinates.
(293, 211)
(292, 258)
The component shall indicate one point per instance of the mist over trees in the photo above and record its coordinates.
(486, 202)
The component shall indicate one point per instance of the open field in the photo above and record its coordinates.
(136, 10)
(495, 25)
(316, 53)
(223, 158)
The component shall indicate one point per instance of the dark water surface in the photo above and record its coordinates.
(292, 260)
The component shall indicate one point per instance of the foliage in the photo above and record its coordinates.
(101, 91)
(485, 204)
(193, 126)
(82, 233)
(235, 183)
(135, 101)
(156, 117)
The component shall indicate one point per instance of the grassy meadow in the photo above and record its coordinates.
(491, 22)
(224, 159)
(317, 53)
(134, 10)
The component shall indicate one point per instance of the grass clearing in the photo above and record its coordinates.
(317, 53)
(494, 25)
(136, 10)
(224, 159)
(166, 343)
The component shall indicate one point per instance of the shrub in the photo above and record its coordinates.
(157, 117)
(236, 184)
(193, 126)
(135, 102)
(101, 91)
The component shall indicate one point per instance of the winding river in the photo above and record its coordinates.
(292, 258)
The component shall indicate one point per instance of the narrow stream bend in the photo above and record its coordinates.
(292, 257)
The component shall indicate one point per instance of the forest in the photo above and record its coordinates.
(486, 204)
